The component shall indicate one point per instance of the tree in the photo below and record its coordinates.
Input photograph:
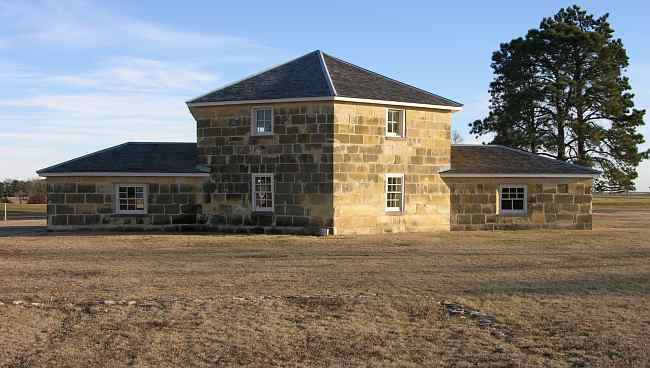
(456, 137)
(560, 91)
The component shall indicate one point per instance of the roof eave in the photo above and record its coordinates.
(122, 174)
(325, 98)
(520, 175)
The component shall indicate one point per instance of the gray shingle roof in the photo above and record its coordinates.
(353, 81)
(496, 159)
(135, 157)
(310, 76)
(301, 77)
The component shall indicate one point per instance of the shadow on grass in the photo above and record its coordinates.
(596, 285)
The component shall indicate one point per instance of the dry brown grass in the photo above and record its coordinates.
(558, 298)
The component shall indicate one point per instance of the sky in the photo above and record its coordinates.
(79, 76)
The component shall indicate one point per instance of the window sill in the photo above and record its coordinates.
(258, 212)
(394, 213)
(513, 214)
(394, 138)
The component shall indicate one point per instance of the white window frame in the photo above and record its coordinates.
(253, 192)
(254, 120)
(401, 207)
(145, 194)
(403, 127)
(521, 212)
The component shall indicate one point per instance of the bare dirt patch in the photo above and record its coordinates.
(550, 298)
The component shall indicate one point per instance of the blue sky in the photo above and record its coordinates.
(78, 76)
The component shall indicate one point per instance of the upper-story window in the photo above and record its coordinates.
(262, 121)
(394, 123)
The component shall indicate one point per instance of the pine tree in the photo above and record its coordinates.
(561, 91)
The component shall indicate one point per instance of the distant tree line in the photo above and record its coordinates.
(27, 191)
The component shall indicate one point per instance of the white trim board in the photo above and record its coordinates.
(457, 175)
(324, 98)
(129, 174)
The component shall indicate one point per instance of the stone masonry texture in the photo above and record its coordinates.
(298, 153)
(84, 202)
(552, 203)
(329, 162)
(363, 155)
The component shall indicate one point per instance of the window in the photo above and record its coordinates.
(131, 198)
(394, 123)
(513, 200)
(394, 192)
(263, 192)
(262, 121)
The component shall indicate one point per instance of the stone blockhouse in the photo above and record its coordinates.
(318, 145)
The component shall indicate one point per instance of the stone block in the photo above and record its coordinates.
(184, 219)
(74, 198)
(155, 209)
(295, 211)
(76, 220)
(181, 198)
(283, 221)
(300, 221)
(86, 209)
(86, 188)
(262, 219)
(55, 198)
(477, 219)
(64, 210)
(161, 220)
(464, 219)
(92, 219)
(104, 208)
(59, 220)
(94, 198)
(163, 198)
(172, 209)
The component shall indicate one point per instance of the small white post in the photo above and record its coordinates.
(5, 211)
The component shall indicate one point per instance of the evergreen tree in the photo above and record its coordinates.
(560, 91)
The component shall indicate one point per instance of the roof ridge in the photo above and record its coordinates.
(393, 80)
(326, 71)
(250, 76)
(519, 150)
(49, 168)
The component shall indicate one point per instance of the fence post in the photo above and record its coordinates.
(5, 211)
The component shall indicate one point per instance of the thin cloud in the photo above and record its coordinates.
(144, 75)
(132, 87)
(51, 23)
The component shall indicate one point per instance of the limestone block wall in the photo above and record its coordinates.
(552, 203)
(298, 153)
(362, 155)
(83, 202)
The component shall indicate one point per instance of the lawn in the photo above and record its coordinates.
(521, 299)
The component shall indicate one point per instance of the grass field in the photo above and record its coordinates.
(524, 299)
